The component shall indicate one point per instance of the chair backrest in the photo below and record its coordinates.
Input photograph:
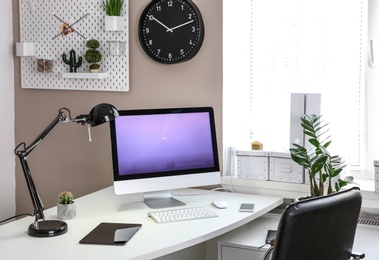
(319, 228)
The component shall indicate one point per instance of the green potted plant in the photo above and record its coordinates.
(66, 208)
(113, 19)
(92, 55)
(323, 168)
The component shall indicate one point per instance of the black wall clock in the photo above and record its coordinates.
(171, 31)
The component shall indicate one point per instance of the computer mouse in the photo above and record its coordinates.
(220, 204)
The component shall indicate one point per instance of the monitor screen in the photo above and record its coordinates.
(163, 149)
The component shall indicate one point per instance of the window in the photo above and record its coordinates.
(273, 48)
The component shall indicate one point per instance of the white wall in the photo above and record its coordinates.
(373, 80)
(7, 158)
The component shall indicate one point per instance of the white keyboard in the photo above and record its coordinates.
(174, 215)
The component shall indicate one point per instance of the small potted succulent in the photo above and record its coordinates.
(92, 55)
(66, 208)
(113, 19)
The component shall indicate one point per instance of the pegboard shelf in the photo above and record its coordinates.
(56, 27)
(85, 75)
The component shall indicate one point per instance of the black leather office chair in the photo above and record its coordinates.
(318, 228)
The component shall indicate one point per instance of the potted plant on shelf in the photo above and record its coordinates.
(113, 19)
(322, 167)
(92, 55)
(66, 208)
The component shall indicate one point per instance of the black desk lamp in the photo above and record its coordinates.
(100, 114)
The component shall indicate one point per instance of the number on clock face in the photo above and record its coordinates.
(171, 31)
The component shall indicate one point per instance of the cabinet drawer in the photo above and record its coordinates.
(233, 253)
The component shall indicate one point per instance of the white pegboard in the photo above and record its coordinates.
(39, 25)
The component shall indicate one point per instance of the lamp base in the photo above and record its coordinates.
(47, 228)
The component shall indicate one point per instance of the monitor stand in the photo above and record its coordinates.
(161, 199)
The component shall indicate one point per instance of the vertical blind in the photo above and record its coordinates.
(273, 48)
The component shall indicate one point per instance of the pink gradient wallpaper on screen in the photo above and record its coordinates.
(163, 142)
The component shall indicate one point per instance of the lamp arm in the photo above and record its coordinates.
(60, 117)
(22, 155)
(36, 199)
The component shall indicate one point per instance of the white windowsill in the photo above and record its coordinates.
(293, 190)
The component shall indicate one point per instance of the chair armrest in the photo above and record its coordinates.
(357, 255)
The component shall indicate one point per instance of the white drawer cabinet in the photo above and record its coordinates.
(244, 243)
(229, 253)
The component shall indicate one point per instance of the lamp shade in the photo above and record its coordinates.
(102, 113)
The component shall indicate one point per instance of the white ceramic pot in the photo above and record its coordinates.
(66, 211)
(114, 23)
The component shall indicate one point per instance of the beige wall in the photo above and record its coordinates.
(65, 160)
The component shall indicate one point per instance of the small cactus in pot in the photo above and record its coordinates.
(66, 197)
(66, 208)
(74, 65)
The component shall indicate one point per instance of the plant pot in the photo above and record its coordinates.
(66, 211)
(95, 70)
(24, 49)
(114, 23)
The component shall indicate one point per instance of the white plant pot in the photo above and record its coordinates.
(66, 211)
(24, 49)
(114, 23)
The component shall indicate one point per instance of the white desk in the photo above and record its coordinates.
(151, 241)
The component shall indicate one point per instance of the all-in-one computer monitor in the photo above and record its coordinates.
(156, 150)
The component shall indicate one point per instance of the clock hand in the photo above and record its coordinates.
(176, 27)
(168, 29)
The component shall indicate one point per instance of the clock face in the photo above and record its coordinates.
(171, 31)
